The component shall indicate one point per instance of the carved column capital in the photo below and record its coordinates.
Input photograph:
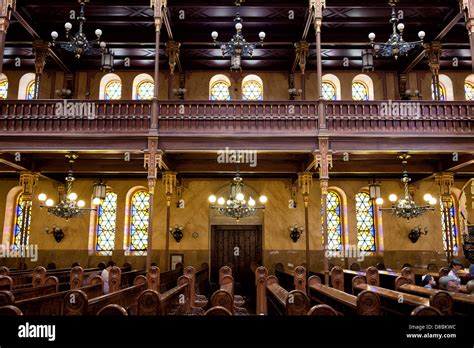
(28, 181)
(445, 181)
(158, 6)
(169, 184)
(152, 161)
(305, 181)
(323, 158)
(172, 51)
(302, 52)
(41, 51)
(433, 52)
(317, 7)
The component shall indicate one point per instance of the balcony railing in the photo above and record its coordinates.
(345, 118)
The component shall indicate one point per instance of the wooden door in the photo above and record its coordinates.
(237, 247)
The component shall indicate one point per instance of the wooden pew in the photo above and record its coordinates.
(224, 297)
(393, 302)
(282, 302)
(447, 302)
(226, 282)
(196, 300)
(6, 282)
(366, 303)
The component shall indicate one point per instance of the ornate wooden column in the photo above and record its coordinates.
(433, 52)
(172, 51)
(324, 161)
(152, 162)
(28, 181)
(6, 7)
(302, 51)
(445, 181)
(40, 50)
(317, 7)
(169, 183)
(305, 181)
(467, 6)
(157, 6)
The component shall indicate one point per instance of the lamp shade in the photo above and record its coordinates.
(99, 190)
(374, 191)
(367, 60)
(107, 63)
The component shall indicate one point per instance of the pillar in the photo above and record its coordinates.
(467, 6)
(305, 181)
(433, 52)
(28, 181)
(445, 181)
(41, 51)
(317, 7)
(157, 6)
(302, 52)
(6, 8)
(172, 51)
(169, 183)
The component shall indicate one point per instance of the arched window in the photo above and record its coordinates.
(333, 206)
(365, 222)
(143, 87)
(442, 92)
(110, 87)
(106, 224)
(139, 217)
(446, 89)
(362, 88)
(18, 223)
(219, 88)
(26, 87)
(453, 235)
(331, 87)
(3, 86)
(469, 88)
(252, 88)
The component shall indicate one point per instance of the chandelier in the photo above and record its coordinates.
(237, 47)
(395, 46)
(236, 206)
(406, 207)
(78, 43)
(68, 207)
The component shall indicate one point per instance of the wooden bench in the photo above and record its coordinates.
(366, 303)
(224, 297)
(282, 302)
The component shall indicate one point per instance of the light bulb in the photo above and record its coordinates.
(372, 36)
(379, 201)
(401, 26)
(103, 44)
(221, 201)
(392, 198)
(54, 35)
(42, 197)
(215, 35)
(251, 202)
(68, 26)
(240, 196)
(72, 196)
(433, 201)
(98, 32)
(81, 204)
(263, 199)
(262, 35)
(212, 199)
(427, 197)
(96, 201)
(49, 203)
(239, 26)
(421, 35)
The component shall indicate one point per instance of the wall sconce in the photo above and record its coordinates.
(368, 60)
(56, 232)
(107, 61)
(296, 232)
(375, 192)
(293, 92)
(99, 192)
(64, 93)
(415, 233)
(177, 233)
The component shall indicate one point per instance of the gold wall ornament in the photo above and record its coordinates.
(28, 182)
(302, 52)
(445, 181)
(323, 159)
(305, 181)
(169, 183)
(172, 51)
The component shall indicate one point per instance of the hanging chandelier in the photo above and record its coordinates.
(395, 46)
(78, 43)
(406, 207)
(237, 47)
(68, 207)
(237, 206)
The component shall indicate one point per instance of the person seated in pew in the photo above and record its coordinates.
(454, 268)
(428, 282)
(449, 283)
(105, 275)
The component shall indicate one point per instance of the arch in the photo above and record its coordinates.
(137, 214)
(143, 87)
(336, 213)
(26, 86)
(366, 223)
(105, 224)
(445, 88)
(110, 87)
(10, 214)
(252, 88)
(219, 88)
(336, 84)
(453, 217)
(362, 88)
(469, 88)
(3, 86)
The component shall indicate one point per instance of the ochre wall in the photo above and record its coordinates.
(275, 84)
(394, 247)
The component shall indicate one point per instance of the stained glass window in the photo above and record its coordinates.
(469, 89)
(453, 233)
(19, 216)
(113, 90)
(360, 91)
(3, 89)
(442, 92)
(145, 90)
(329, 91)
(333, 205)
(30, 90)
(252, 90)
(220, 91)
(139, 222)
(106, 223)
(365, 222)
